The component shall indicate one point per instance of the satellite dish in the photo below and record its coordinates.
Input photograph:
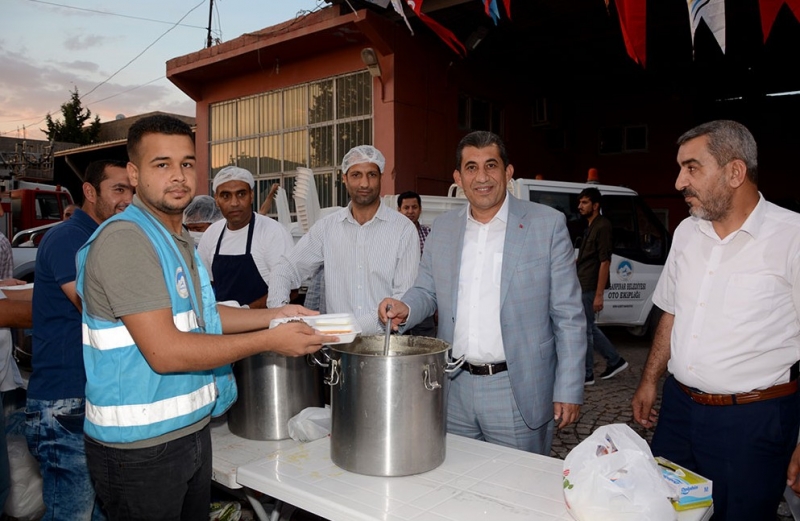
(119, 117)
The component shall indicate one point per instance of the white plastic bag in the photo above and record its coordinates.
(312, 423)
(612, 476)
(25, 498)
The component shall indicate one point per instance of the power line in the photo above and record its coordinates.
(113, 14)
(175, 24)
(144, 51)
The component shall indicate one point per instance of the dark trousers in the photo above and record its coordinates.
(167, 482)
(743, 449)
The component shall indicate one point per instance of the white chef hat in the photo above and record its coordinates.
(202, 209)
(232, 173)
(363, 154)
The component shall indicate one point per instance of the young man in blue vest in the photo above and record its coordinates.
(157, 361)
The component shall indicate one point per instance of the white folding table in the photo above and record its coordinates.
(477, 481)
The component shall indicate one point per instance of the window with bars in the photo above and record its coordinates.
(311, 125)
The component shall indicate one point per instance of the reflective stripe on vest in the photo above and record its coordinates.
(118, 336)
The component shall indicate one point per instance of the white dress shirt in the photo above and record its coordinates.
(10, 377)
(736, 302)
(363, 264)
(477, 333)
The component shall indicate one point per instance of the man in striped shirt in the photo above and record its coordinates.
(410, 204)
(368, 250)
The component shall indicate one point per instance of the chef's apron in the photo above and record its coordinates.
(236, 277)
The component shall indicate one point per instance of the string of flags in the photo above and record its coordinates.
(447, 36)
(632, 17)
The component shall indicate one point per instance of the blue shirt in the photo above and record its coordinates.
(57, 361)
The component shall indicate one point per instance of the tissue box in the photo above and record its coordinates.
(690, 490)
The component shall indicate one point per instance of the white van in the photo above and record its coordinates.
(641, 242)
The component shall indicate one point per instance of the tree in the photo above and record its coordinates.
(73, 128)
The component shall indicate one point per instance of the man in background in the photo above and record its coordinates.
(594, 263)
(201, 213)
(15, 311)
(56, 396)
(68, 211)
(410, 204)
(241, 250)
(368, 250)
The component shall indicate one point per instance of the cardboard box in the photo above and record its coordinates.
(690, 490)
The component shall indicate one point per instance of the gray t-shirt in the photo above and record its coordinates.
(124, 277)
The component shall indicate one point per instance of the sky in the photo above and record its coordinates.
(115, 53)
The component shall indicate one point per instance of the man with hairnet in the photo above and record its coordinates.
(199, 215)
(368, 250)
(241, 250)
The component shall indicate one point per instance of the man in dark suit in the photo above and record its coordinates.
(501, 273)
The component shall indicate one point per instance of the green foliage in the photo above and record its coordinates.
(73, 128)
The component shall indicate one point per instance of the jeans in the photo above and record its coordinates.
(54, 432)
(595, 339)
(5, 476)
(166, 482)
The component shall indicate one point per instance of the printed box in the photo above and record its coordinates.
(690, 490)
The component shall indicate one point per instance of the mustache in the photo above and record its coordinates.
(688, 192)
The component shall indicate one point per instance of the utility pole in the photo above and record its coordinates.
(210, 11)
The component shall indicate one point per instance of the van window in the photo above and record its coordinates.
(567, 204)
(47, 207)
(637, 233)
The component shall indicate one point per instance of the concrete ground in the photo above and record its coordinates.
(609, 401)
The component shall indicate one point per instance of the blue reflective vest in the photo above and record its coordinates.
(126, 400)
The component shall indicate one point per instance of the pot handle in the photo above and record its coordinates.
(313, 360)
(455, 364)
(333, 379)
(426, 379)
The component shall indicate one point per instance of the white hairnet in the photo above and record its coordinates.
(202, 209)
(232, 173)
(363, 154)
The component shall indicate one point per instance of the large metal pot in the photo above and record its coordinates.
(389, 410)
(272, 388)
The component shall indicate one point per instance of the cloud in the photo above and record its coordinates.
(79, 65)
(29, 90)
(81, 42)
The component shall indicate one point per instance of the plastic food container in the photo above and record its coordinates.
(343, 325)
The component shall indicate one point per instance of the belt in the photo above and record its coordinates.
(485, 369)
(776, 391)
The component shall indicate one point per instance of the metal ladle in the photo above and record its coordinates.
(388, 332)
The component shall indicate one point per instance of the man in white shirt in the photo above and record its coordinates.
(242, 249)
(501, 273)
(368, 249)
(730, 333)
(14, 312)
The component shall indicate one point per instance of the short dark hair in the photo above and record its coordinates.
(408, 195)
(728, 140)
(480, 139)
(96, 171)
(592, 193)
(156, 124)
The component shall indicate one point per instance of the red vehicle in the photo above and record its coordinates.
(28, 205)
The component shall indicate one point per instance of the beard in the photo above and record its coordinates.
(715, 206)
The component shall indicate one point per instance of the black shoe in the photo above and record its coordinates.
(589, 380)
(615, 369)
